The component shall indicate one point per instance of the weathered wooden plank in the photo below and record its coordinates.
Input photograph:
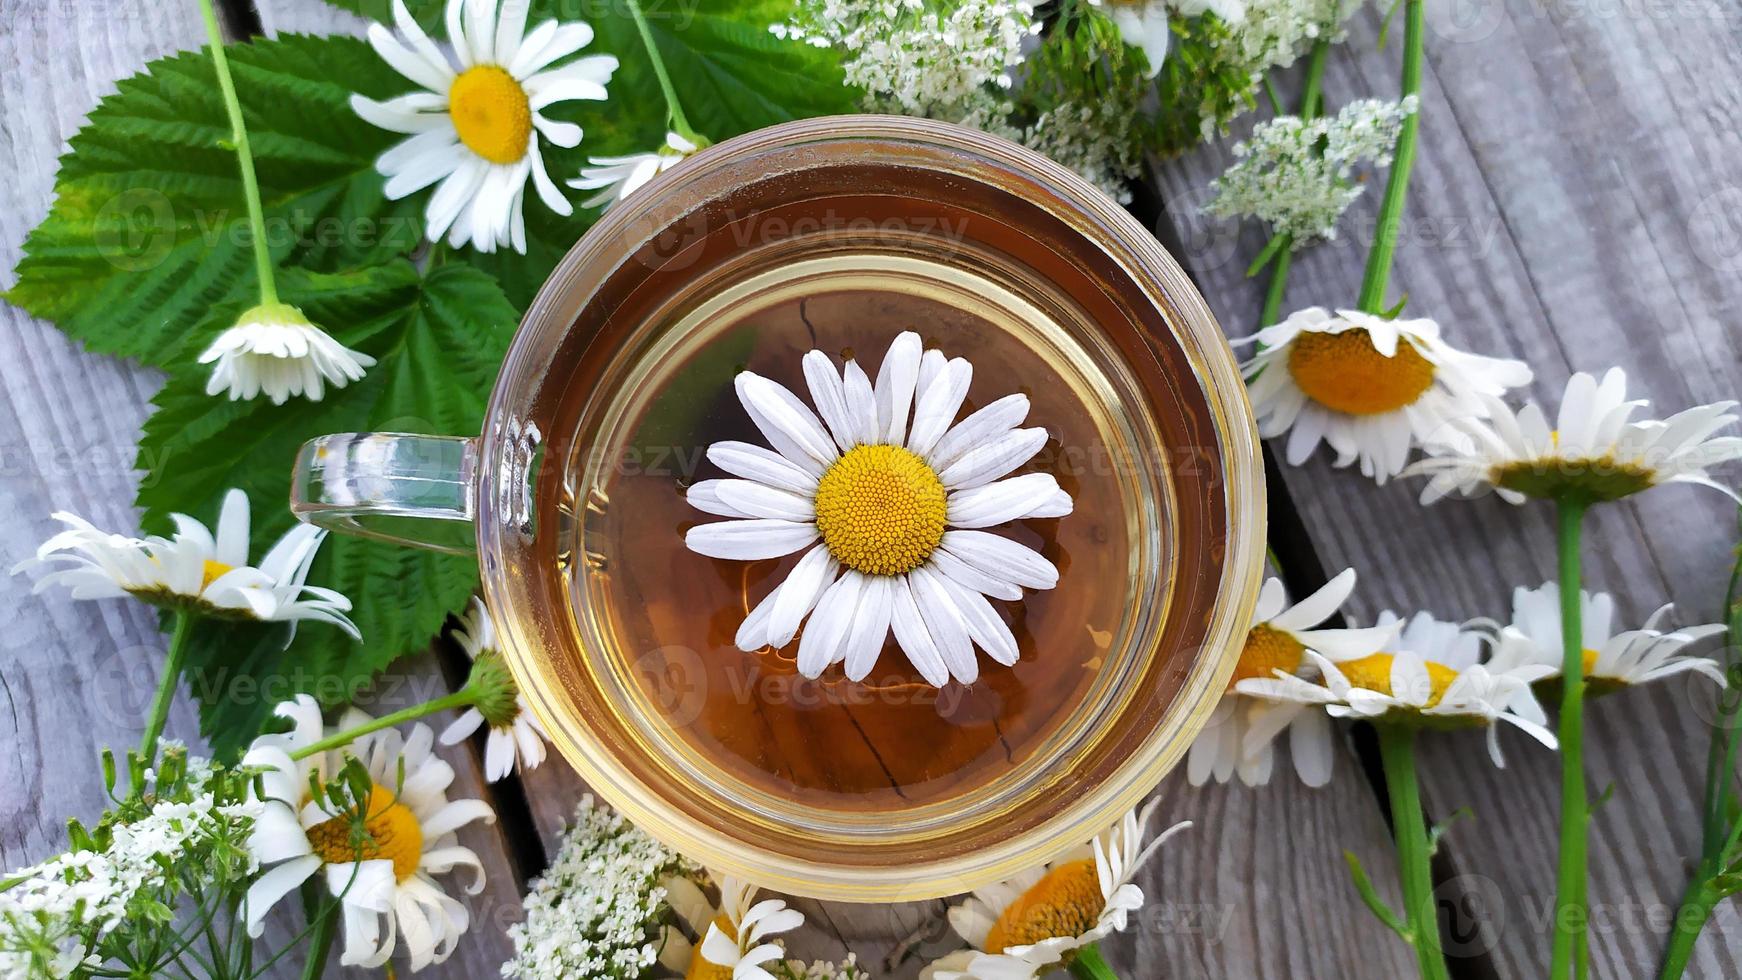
(1573, 206)
(80, 674)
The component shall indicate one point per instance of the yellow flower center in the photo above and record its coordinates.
(1267, 649)
(1374, 674)
(1067, 902)
(491, 113)
(390, 832)
(214, 570)
(880, 510)
(1346, 373)
(702, 969)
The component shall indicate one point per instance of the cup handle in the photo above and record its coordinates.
(415, 490)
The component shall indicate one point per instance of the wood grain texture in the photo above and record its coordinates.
(1575, 204)
(78, 676)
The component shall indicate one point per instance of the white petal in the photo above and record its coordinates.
(896, 378)
(1000, 502)
(828, 628)
(799, 594)
(1001, 557)
(945, 623)
(938, 404)
(978, 428)
(762, 465)
(830, 397)
(749, 540)
(913, 636)
(756, 500)
(870, 626)
(787, 424)
(993, 460)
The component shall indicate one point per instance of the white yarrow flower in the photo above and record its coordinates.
(1430, 675)
(274, 349)
(475, 126)
(1595, 451)
(1298, 176)
(379, 856)
(600, 908)
(1023, 927)
(1369, 387)
(1611, 660)
(194, 570)
(1238, 738)
(517, 742)
(615, 178)
(898, 493)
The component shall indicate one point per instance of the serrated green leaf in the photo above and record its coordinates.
(439, 340)
(148, 231)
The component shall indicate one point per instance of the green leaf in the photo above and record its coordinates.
(148, 231)
(439, 340)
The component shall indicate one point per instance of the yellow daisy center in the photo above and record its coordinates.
(880, 510)
(1267, 649)
(390, 832)
(1346, 373)
(702, 969)
(1374, 674)
(491, 113)
(213, 571)
(1067, 902)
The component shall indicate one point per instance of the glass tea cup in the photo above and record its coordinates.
(838, 234)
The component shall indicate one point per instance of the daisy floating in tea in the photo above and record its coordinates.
(899, 494)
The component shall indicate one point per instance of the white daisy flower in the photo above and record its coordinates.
(193, 571)
(1368, 387)
(733, 933)
(475, 126)
(1430, 676)
(378, 858)
(618, 177)
(1594, 451)
(1022, 927)
(274, 349)
(1240, 732)
(517, 740)
(1611, 660)
(1144, 24)
(899, 504)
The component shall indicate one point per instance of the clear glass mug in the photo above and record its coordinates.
(837, 233)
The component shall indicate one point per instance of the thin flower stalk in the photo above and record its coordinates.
(1414, 853)
(244, 155)
(1570, 902)
(1378, 274)
(674, 107)
(160, 702)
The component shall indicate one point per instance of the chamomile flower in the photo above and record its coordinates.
(898, 494)
(516, 737)
(734, 934)
(1430, 676)
(475, 124)
(1595, 451)
(1239, 736)
(1611, 660)
(1146, 24)
(1368, 387)
(274, 349)
(1024, 926)
(194, 570)
(378, 856)
(615, 178)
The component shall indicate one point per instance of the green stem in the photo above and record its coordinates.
(1378, 273)
(324, 915)
(1570, 911)
(463, 698)
(1696, 909)
(166, 688)
(675, 108)
(1088, 965)
(244, 157)
(1311, 101)
(1414, 856)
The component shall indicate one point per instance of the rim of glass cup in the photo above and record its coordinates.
(616, 238)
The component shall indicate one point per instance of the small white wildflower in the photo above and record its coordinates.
(1093, 142)
(598, 910)
(1295, 174)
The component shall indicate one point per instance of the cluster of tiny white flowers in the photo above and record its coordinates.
(1091, 141)
(596, 911)
(1272, 34)
(847, 969)
(1295, 175)
(52, 909)
(954, 65)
